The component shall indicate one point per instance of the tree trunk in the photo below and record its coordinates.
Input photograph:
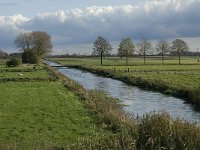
(179, 56)
(127, 60)
(101, 59)
(162, 58)
(144, 56)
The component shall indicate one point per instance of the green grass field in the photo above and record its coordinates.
(28, 71)
(183, 76)
(116, 61)
(41, 115)
(33, 74)
(3, 66)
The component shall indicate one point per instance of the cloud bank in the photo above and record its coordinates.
(153, 19)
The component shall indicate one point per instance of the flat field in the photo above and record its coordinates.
(116, 61)
(41, 114)
(183, 76)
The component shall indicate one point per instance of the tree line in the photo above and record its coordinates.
(102, 47)
(35, 45)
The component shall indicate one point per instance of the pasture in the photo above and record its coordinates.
(133, 61)
(23, 71)
(40, 115)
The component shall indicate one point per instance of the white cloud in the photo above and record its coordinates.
(154, 19)
(9, 29)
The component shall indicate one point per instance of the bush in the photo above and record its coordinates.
(13, 62)
(30, 57)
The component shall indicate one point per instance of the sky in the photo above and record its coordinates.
(80, 22)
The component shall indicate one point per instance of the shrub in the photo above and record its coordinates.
(13, 62)
(30, 57)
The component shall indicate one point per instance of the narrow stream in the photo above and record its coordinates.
(136, 100)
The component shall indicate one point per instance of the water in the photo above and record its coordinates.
(136, 100)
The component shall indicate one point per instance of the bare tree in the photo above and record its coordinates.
(102, 47)
(179, 46)
(34, 43)
(41, 43)
(24, 41)
(126, 48)
(144, 47)
(162, 48)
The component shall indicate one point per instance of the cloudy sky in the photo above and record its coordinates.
(79, 22)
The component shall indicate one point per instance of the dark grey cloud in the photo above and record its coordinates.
(153, 19)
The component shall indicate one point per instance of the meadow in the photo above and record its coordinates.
(61, 114)
(136, 60)
(23, 71)
(41, 115)
(179, 80)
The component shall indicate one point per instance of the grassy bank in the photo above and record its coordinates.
(178, 80)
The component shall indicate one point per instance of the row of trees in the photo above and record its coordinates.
(34, 46)
(102, 47)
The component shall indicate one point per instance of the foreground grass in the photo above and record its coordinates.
(43, 114)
